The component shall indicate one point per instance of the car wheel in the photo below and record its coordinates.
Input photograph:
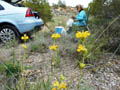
(7, 33)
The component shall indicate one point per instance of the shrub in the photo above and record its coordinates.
(110, 35)
(39, 47)
(41, 6)
(41, 43)
(11, 68)
(55, 6)
(62, 4)
(67, 45)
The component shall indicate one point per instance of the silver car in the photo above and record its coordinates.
(15, 21)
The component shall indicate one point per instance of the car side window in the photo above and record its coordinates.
(1, 7)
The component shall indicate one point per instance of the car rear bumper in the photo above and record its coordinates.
(30, 24)
(39, 27)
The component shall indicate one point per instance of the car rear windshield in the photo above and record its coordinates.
(1, 7)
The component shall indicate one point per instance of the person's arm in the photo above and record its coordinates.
(80, 16)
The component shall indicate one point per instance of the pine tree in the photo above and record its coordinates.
(41, 6)
(61, 4)
(105, 8)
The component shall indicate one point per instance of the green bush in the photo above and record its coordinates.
(105, 8)
(109, 35)
(11, 68)
(41, 6)
(55, 6)
(62, 4)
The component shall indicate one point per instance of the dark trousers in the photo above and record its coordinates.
(69, 30)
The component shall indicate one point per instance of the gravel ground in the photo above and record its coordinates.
(99, 77)
(102, 77)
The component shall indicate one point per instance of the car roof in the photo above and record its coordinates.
(5, 4)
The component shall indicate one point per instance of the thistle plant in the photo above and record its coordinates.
(54, 48)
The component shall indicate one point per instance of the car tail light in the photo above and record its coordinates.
(29, 13)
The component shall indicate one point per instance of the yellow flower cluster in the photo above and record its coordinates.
(81, 48)
(82, 35)
(24, 46)
(56, 36)
(53, 47)
(82, 65)
(25, 37)
(59, 86)
(56, 84)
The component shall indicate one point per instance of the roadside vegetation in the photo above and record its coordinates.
(76, 61)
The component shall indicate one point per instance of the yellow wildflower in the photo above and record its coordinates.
(53, 89)
(62, 77)
(81, 48)
(85, 34)
(78, 35)
(82, 35)
(56, 36)
(62, 86)
(56, 84)
(25, 37)
(24, 46)
(53, 47)
(82, 65)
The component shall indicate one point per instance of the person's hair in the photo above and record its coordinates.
(80, 6)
